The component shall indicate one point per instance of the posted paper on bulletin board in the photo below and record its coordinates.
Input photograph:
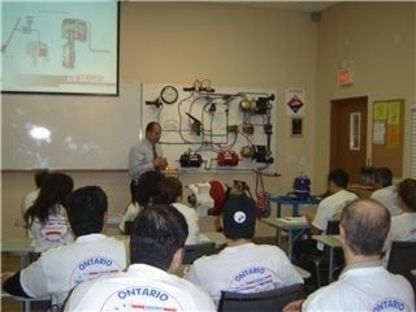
(386, 123)
(387, 148)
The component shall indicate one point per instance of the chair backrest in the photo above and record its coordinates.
(272, 300)
(193, 252)
(402, 260)
(128, 226)
(332, 227)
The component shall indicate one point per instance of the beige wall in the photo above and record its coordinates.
(380, 39)
(238, 46)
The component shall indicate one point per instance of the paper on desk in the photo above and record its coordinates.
(301, 219)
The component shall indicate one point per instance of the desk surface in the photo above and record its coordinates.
(22, 244)
(302, 272)
(217, 237)
(17, 244)
(287, 223)
(329, 240)
(114, 219)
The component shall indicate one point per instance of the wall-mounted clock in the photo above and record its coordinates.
(169, 94)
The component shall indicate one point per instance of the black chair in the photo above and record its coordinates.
(128, 226)
(193, 252)
(321, 262)
(272, 300)
(402, 260)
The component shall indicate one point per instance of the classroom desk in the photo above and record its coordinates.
(294, 202)
(18, 246)
(332, 241)
(302, 272)
(294, 226)
(114, 220)
(217, 237)
(21, 246)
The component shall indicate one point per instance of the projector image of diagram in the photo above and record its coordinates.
(75, 30)
(72, 30)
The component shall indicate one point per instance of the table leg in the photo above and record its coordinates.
(296, 210)
(278, 237)
(293, 235)
(289, 244)
(279, 210)
(331, 264)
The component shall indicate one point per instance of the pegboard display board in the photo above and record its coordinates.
(205, 128)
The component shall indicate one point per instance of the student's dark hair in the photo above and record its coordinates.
(170, 188)
(406, 190)
(339, 177)
(150, 126)
(40, 177)
(365, 230)
(158, 232)
(384, 176)
(86, 208)
(147, 187)
(53, 192)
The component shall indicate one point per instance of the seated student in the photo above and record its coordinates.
(92, 254)
(141, 190)
(30, 197)
(157, 243)
(46, 219)
(403, 226)
(170, 192)
(364, 285)
(328, 209)
(385, 191)
(242, 266)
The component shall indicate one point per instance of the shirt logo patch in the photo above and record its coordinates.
(141, 298)
(239, 217)
(253, 279)
(390, 305)
(92, 268)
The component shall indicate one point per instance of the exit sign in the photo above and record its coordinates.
(344, 77)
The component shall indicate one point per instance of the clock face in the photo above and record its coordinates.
(169, 94)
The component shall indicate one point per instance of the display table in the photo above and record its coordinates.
(294, 202)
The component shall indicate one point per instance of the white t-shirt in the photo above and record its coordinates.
(388, 197)
(56, 231)
(130, 214)
(403, 228)
(364, 288)
(141, 288)
(59, 269)
(330, 208)
(246, 268)
(191, 217)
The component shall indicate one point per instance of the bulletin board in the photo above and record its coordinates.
(211, 122)
(388, 128)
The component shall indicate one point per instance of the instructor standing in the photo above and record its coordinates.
(147, 154)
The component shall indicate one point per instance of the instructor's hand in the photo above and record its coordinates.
(160, 162)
